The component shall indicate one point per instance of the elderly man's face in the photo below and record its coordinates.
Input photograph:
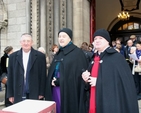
(129, 43)
(63, 39)
(26, 43)
(100, 43)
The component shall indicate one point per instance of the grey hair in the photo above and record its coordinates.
(41, 49)
(26, 34)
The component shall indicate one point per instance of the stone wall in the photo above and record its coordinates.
(81, 22)
(33, 16)
(16, 24)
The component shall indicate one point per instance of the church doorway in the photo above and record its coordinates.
(123, 29)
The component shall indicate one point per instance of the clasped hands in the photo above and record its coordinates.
(87, 78)
(55, 82)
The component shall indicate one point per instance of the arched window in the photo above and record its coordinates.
(125, 28)
(130, 26)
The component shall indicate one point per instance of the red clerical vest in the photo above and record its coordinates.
(94, 73)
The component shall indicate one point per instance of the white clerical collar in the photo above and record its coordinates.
(99, 52)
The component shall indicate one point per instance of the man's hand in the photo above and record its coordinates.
(41, 97)
(11, 99)
(86, 75)
(92, 81)
(52, 83)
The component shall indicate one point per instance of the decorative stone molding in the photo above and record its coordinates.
(50, 19)
(62, 13)
(129, 5)
(35, 26)
(3, 15)
(3, 24)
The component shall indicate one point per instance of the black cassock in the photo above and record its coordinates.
(72, 62)
(115, 87)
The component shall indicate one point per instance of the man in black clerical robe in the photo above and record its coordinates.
(64, 83)
(114, 84)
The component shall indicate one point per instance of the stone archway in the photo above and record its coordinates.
(116, 23)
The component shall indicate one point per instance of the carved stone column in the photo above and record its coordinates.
(49, 25)
(56, 22)
(69, 14)
(81, 21)
(28, 16)
(43, 23)
(35, 22)
(62, 13)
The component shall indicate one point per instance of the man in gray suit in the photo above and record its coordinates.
(26, 72)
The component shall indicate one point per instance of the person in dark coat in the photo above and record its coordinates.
(64, 83)
(4, 65)
(134, 39)
(26, 72)
(87, 52)
(127, 52)
(113, 83)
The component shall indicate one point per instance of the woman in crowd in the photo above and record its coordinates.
(137, 75)
(4, 64)
(54, 50)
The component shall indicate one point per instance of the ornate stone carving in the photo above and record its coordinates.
(62, 13)
(49, 24)
(35, 21)
(3, 15)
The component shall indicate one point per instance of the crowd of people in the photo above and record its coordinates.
(131, 48)
(93, 78)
